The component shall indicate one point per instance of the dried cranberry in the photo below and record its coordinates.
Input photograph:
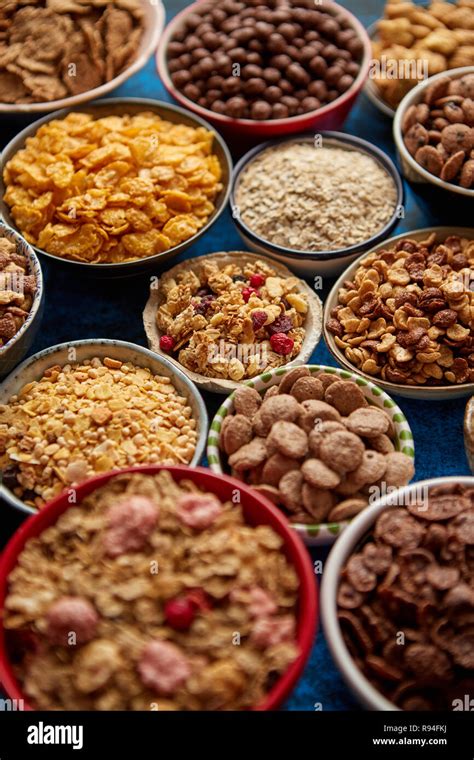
(257, 280)
(203, 305)
(280, 325)
(247, 293)
(258, 320)
(180, 613)
(282, 344)
(205, 291)
(166, 343)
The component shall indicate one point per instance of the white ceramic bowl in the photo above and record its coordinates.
(14, 351)
(154, 21)
(433, 392)
(34, 368)
(312, 324)
(325, 533)
(311, 263)
(361, 525)
(411, 169)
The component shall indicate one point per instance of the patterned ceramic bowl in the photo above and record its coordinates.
(13, 351)
(324, 533)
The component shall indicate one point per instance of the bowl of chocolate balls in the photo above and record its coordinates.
(264, 68)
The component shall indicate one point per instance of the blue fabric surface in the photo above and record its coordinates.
(80, 308)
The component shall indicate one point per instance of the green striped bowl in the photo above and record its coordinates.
(324, 533)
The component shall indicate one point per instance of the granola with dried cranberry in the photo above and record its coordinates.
(232, 321)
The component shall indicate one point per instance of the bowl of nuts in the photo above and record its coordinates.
(315, 202)
(401, 315)
(262, 70)
(434, 132)
(397, 598)
(153, 178)
(21, 298)
(178, 596)
(86, 407)
(226, 317)
(319, 442)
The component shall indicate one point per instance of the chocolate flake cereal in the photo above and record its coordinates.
(406, 601)
(51, 49)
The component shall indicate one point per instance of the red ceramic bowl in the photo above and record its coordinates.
(331, 116)
(257, 511)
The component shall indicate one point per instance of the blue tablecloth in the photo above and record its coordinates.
(81, 308)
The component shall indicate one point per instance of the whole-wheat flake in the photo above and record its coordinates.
(314, 199)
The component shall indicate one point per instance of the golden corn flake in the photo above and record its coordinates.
(114, 189)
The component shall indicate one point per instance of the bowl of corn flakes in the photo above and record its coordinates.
(21, 298)
(115, 187)
(226, 317)
(186, 591)
(82, 408)
(60, 53)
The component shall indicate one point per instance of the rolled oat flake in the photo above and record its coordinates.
(309, 198)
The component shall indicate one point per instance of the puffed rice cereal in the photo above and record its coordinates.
(185, 614)
(83, 419)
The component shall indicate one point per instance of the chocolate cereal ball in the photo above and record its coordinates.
(264, 60)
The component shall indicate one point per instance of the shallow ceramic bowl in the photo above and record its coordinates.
(34, 368)
(120, 107)
(14, 351)
(327, 263)
(411, 169)
(257, 511)
(330, 116)
(312, 325)
(324, 533)
(433, 392)
(360, 528)
(154, 21)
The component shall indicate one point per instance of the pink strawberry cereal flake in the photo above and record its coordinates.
(163, 667)
(129, 523)
(268, 631)
(198, 511)
(71, 615)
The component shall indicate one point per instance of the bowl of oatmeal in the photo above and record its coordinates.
(86, 407)
(176, 589)
(21, 298)
(315, 201)
(226, 317)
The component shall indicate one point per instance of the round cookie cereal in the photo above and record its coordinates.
(340, 468)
